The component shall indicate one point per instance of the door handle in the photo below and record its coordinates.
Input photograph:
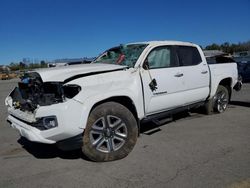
(179, 75)
(204, 72)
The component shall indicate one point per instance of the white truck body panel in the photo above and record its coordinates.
(60, 74)
(221, 71)
(197, 84)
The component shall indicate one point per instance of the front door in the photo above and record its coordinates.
(161, 65)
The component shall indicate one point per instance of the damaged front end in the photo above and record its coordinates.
(41, 111)
(32, 92)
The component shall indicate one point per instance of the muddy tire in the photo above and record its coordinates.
(219, 102)
(209, 107)
(221, 99)
(110, 134)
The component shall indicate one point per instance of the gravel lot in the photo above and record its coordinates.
(193, 151)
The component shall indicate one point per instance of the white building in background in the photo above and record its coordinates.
(4, 68)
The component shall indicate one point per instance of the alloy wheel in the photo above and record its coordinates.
(221, 101)
(108, 134)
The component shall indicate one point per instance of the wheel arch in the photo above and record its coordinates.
(109, 135)
(124, 100)
(227, 82)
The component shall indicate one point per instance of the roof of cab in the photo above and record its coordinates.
(165, 42)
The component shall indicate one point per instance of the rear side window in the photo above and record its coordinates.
(188, 56)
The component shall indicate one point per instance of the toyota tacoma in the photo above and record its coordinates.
(99, 107)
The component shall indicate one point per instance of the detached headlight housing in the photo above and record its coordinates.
(71, 90)
(50, 122)
(45, 123)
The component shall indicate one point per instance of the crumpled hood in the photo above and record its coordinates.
(61, 74)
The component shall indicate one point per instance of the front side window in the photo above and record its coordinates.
(161, 57)
(188, 56)
(122, 55)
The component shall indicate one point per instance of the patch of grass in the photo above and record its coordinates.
(241, 184)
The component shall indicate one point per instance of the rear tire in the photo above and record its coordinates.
(110, 134)
(219, 102)
(221, 99)
(208, 107)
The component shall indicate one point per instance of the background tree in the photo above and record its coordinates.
(230, 48)
(43, 64)
(22, 65)
(14, 66)
(213, 47)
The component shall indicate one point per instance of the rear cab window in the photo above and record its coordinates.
(219, 60)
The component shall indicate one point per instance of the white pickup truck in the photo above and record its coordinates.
(99, 106)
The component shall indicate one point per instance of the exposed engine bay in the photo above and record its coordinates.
(33, 92)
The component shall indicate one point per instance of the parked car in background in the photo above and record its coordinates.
(243, 61)
(9, 75)
(244, 70)
(4, 76)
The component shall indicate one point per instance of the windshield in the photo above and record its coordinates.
(122, 55)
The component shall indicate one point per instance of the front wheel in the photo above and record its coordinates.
(110, 134)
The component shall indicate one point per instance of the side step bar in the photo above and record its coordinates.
(163, 117)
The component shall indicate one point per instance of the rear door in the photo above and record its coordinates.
(195, 74)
